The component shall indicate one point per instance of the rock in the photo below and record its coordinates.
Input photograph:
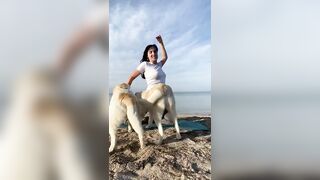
(125, 175)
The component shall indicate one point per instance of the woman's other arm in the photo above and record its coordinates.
(133, 76)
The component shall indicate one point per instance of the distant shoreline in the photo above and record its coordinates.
(186, 115)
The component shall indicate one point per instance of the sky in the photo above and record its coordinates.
(266, 46)
(185, 26)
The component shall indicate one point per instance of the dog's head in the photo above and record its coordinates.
(121, 88)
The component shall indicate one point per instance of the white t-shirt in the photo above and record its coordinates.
(152, 72)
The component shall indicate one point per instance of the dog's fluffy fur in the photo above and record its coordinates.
(161, 97)
(125, 105)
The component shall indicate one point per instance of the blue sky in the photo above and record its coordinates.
(185, 28)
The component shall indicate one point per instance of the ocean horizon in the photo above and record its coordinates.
(192, 102)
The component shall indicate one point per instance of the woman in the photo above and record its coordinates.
(149, 68)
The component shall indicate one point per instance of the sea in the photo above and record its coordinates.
(193, 103)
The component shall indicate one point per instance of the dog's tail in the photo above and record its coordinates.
(130, 101)
(170, 100)
(167, 90)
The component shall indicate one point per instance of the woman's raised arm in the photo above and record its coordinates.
(163, 50)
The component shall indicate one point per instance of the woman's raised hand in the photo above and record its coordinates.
(159, 38)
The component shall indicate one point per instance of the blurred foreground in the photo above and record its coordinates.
(47, 134)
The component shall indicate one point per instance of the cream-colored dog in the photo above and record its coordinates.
(125, 105)
(161, 97)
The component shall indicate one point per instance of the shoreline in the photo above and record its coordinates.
(187, 115)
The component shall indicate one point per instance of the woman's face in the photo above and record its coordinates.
(152, 55)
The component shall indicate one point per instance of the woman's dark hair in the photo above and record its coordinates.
(145, 55)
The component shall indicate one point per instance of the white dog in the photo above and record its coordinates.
(161, 97)
(125, 105)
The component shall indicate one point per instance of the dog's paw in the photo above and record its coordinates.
(178, 136)
(142, 147)
(129, 130)
(110, 150)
